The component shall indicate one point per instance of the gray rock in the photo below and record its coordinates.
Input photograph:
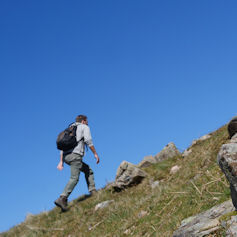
(169, 151)
(127, 175)
(204, 223)
(103, 204)
(231, 227)
(203, 138)
(227, 160)
(147, 161)
(174, 169)
(187, 152)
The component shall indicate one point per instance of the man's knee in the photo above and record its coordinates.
(91, 172)
(74, 179)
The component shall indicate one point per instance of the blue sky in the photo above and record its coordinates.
(144, 72)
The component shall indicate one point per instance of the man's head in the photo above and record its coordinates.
(82, 119)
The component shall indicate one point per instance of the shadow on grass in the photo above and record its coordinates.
(83, 197)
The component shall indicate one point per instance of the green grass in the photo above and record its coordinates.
(196, 187)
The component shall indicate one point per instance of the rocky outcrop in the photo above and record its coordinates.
(188, 151)
(227, 160)
(169, 151)
(203, 138)
(205, 223)
(147, 161)
(232, 127)
(128, 175)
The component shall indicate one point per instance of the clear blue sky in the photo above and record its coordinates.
(144, 72)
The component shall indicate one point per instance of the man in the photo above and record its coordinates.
(73, 158)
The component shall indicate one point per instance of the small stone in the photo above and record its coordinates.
(129, 231)
(142, 214)
(174, 169)
(186, 152)
(103, 204)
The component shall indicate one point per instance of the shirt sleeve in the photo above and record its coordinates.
(87, 136)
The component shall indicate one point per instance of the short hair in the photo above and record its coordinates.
(80, 118)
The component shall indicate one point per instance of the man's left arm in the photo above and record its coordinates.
(88, 141)
(95, 154)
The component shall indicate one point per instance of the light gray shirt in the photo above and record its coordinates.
(83, 137)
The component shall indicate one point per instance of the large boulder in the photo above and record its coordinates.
(227, 160)
(128, 175)
(232, 127)
(169, 151)
(204, 223)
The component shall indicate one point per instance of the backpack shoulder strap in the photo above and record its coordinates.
(73, 124)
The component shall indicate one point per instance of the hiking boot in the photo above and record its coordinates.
(62, 203)
(93, 192)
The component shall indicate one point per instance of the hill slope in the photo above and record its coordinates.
(142, 210)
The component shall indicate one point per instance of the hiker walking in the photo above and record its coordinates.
(73, 158)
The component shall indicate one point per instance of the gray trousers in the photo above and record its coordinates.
(77, 165)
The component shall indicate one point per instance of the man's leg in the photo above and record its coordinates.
(89, 175)
(75, 172)
(75, 162)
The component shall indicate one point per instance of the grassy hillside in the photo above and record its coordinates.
(141, 210)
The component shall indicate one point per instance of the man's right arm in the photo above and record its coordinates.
(60, 164)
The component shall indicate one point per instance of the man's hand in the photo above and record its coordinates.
(60, 165)
(97, 159)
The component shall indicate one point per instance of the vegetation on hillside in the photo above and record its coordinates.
(141, 210)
